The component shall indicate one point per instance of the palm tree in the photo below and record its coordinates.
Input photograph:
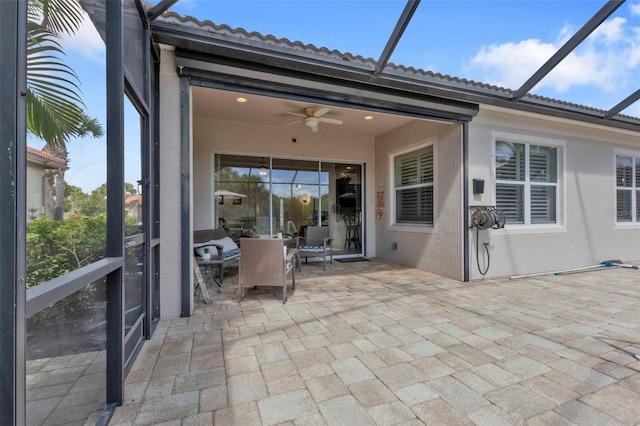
(55, 110)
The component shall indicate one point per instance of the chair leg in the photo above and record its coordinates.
(239, 291)
(284, 292)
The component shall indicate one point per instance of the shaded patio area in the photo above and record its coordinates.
(379, 343)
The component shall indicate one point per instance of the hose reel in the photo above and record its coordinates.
(487, 217)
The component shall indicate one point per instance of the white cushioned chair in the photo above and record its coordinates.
(315, 243)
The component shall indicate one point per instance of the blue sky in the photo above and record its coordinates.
(495, 42)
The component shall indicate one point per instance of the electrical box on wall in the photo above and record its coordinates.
(478, 186)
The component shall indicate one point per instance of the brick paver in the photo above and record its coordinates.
(379, 343)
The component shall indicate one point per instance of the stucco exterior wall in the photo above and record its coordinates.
(35, 191)
(440, 251)
(587, 232)
(170, 194)
(214, 136)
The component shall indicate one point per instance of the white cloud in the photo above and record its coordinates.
(634, 9)
(87, 42)
(605, 61)
(611, 31)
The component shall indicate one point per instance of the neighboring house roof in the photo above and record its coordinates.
(189, 35)
(45, 159)
(133, 199)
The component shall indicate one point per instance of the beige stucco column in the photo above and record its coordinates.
(170, 199)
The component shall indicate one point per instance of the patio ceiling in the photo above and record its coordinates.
(242, 45)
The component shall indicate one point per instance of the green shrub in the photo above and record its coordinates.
(55, 248)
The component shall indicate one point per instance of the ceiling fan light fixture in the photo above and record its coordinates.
(311, 122)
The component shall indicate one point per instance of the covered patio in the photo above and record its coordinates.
(378, 343)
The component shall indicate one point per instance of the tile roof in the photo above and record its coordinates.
(413, 75)
(46, 158)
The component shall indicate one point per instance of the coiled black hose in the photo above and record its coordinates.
(486, 247)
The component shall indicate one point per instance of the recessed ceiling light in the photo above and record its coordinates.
(368, 117)
(241, 100)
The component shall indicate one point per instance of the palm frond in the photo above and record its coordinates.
(57, 16)
(55, 109)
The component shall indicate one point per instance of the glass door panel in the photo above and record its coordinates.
(241, 195)
(301, 192)
(348, 201)
(134, 284)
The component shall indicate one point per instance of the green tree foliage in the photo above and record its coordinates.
(55, 248)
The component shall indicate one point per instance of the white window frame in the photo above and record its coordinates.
(391, 208)
(634, 223)
(561, 197)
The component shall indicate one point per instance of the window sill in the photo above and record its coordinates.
(626, 225)
(416, 229)
(530, 229)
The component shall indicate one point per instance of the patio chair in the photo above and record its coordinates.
(219, 243)
(316, 242)
(264, 264)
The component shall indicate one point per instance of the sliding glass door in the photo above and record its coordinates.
(265, 196)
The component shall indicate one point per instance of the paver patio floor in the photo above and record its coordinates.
(382, 344)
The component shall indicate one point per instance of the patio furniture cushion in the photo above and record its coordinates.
(228, 247)
(317, 241)
(316, 249)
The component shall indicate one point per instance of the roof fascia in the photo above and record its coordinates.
(489, 95)
(593, 23)
(403, 21)
(332, 91)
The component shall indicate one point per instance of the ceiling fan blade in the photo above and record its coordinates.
(330, 120)
(291, 124)
(321, 112)
(296, 114)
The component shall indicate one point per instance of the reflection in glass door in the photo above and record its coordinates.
(134, 285)
(261, 196)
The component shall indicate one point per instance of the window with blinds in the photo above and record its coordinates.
(526, 182)
(627, 188)
(414, 197)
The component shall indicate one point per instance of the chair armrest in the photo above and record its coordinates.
(291, 254)
(327, 241)
(219, 248)
(298, 240)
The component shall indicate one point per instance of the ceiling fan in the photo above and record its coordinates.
(312, 117)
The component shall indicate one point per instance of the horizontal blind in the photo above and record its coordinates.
(415, 167)
(414, 187)
(415, 205)
(510, 199)
(623, 205)
(510, 161)
(624, 170)
(542, 163)
(543, 204)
